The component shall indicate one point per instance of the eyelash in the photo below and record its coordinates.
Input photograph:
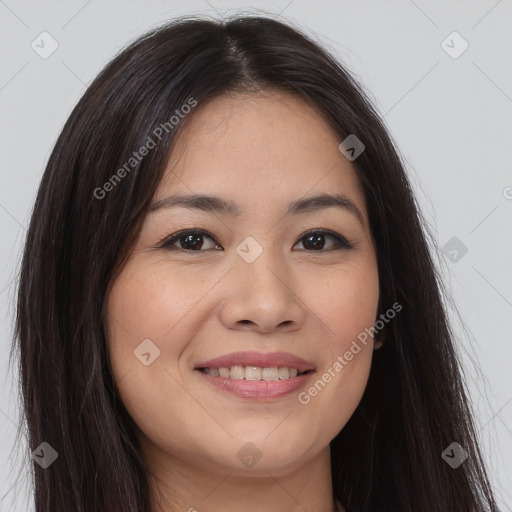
(341, 242)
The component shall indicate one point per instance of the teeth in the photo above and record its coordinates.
(253, 372)
(237, 372)
(270, 373)
(284, 372)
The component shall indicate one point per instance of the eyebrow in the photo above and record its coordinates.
(216, 204)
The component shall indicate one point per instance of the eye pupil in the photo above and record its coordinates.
(317, 241)
(189, 238)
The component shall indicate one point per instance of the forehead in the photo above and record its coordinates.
(258, 148)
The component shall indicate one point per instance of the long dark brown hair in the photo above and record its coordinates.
(388, 456)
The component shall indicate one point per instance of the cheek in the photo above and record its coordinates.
(150, 302)
(346, 305)
(346, 302)
(143, 309)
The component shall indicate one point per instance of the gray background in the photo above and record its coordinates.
(451, 118)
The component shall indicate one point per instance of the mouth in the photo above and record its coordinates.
(257, 376)
(239, 372)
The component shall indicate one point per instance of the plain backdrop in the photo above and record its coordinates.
(448, 107)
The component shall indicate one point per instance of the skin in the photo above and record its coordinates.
(261, 151)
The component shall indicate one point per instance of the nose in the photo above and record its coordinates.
(260, 297)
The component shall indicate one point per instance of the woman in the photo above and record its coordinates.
(226, 299)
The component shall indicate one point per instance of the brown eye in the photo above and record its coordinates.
(315, 241)
(189, 240)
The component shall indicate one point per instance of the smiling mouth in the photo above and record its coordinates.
(256, 373)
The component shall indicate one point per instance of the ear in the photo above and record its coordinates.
(378, 340)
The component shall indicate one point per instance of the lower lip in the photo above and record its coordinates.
(258, 389)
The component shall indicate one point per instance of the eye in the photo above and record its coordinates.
(315, 240)
(192, 240)
(189, 240)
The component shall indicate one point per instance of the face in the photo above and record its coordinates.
(261, 285)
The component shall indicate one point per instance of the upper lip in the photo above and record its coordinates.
(253, 358)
